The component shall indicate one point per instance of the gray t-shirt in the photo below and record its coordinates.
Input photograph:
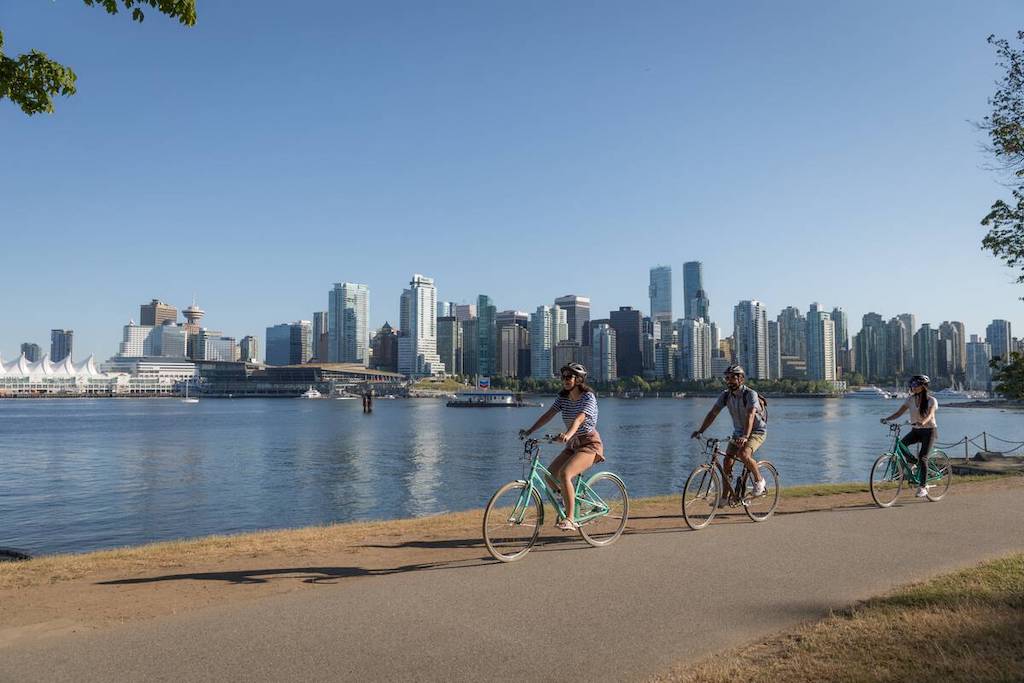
(739, 404)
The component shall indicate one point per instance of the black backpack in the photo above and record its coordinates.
(762, 402)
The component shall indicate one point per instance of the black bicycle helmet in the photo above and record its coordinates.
(576, 369)
(735, 370)
(919, 380)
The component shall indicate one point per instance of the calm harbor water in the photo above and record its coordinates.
(78, 475)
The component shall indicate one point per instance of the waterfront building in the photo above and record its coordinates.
(603, 352)
(193, 315)
(895, 352)
(153, 376)
(62, 343)
(750, 325)
(577, 316)
(979, 374)
(842, 332)
(384, 345)
(348, 323)
(249, 349)
(909, 321)
(173, 340)
(693, 282)
(487, 334)
(156, 313)
(792, 332)
(22, 377)
(872, 349)
(774, 351)
(515, 340)
(31, 351)
(502, 320)
(955, 350)
(926, 342)
(793, 367)
(719, 364)
(287, 343)
(213, 345)
(465, 312)
(321, 336)
(660, 293)
(821, 358)
(417, 344)
(628, 325)
(999, 336)
(449, 343)
(470, 346)
(694, 349)
(542, 342)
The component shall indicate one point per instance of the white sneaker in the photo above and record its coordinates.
(922, 492)
(760, 487)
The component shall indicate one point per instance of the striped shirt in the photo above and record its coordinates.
(586, 404)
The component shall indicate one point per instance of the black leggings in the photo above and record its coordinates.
(926, 437)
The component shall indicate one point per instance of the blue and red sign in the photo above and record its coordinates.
(484, 382)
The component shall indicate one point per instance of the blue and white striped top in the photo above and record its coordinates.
(586, 404)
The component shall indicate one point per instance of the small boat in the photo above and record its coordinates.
(870, 392)
(311, 393)
(187, 399)
(487, 398)
(345, 397)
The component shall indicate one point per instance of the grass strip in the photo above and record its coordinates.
(963, 626)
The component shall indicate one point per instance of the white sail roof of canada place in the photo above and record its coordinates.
(43, 368)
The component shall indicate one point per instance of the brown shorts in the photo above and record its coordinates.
(585, 443)
(755, 441)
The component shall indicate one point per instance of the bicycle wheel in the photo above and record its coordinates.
(700, 496)
(511, 524)
(606, 490)
(886, 480)
(940, 475)
(760, 508)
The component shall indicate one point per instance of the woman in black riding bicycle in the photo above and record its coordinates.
(578, 404)
(924, 430)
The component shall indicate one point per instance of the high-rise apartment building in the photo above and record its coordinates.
(895, 351)
(514, 350)
(660, 292)
(542, 342)
(909, 321)
(842, 329)
(62, 344)
(215, 345)
(792, 333)
(487, 333)
(603, 352)
(774, 351)
(577, 315)
(31, 351)
(470, 346)
(999, 337)
(503, 320)
(156, 313)
(695, 350)
(750, 325)
(979, 374)
(465, 311)
(953, 332)
(417, 345)
(449, 343)
(566, 351)
(348, 322)
(249, 349)
(821, 345)
(289, 343)
(693, 282)
(628, 325)
(926, 351)
(321, 336)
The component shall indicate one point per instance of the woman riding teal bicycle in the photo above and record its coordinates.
(924, 430)
(578, 405)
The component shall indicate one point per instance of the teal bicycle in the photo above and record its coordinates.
(515, 513)
(899, 465)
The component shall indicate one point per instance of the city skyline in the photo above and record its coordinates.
(779, 146)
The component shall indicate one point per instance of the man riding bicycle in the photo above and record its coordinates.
(749, 427)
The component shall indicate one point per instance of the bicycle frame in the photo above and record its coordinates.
(736, 491)
(538, 481)
(903, 456)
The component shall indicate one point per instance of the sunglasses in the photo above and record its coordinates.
(568, 376)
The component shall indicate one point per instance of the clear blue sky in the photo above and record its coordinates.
(804, 151)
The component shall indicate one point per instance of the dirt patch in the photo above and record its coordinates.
(67, 593)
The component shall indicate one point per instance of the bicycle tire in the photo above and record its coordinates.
(886, 480)
(701, 494)
(604, 530)
(498, 516)
(941, 471)
(759, 509)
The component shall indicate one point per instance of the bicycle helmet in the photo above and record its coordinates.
(576, 369)
(919, 380)
(735, 370)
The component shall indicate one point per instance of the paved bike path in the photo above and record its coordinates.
(623, 612)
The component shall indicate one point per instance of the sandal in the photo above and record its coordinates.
(567, 525)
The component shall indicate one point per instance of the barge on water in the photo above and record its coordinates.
(486, 398)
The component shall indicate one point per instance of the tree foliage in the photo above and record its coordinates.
(1005, 130)
(1009, 377)
(32, 80)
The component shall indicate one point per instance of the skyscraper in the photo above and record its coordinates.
(627, 322)
(926, 342)
(503, 320)
(979, 374)
(774, 351)
(693, 282)
(999, 337)
(31, 351)
(542, 343)
(842, 328)
(449, 343)
(514, 340)
(445, 309)
(603, 351)
(289, 343)
(660, 293)
(417, 345)
(909, 321)
(821, 345)
(348, 323)
(750, 320)
(577, 315)
(321, 336)
(249, 349)
(62, 343)
(953, 332)
(465, 311)
(694, 349)
(792, 333)
(487, 346)
(156, 312)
